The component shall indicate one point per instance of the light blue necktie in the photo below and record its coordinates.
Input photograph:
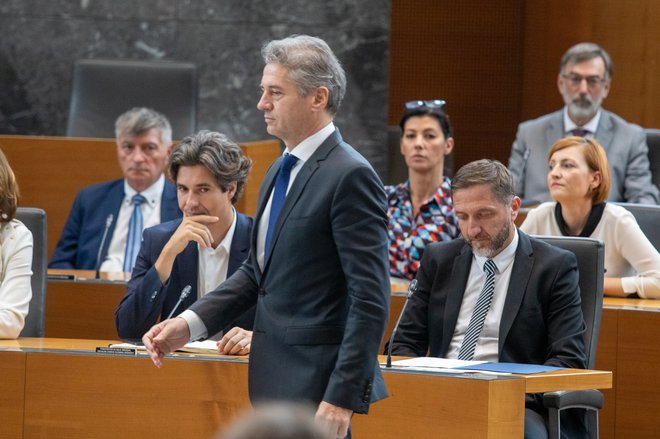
(479, 314)
(279, 195)
(134, 236)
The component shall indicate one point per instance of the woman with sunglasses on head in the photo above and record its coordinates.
(579, 182)
(420, 210)
(15, 258)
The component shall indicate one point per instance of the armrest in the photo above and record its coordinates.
(592, 399)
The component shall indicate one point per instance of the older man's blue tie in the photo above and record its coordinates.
(466, 352)
(134, 236)
(279, 195)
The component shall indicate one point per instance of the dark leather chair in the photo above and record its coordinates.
(590, 255)
(653, 141)
(35, 221)
(103, 89)
(648, 218)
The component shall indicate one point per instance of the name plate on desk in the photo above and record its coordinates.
(120, 352)
(87, 275)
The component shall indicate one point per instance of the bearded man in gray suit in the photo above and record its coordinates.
(584, 80)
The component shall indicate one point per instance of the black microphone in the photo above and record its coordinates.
(182, 297)
(108, 223)
(411, 290)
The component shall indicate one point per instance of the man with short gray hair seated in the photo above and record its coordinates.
(105, 225)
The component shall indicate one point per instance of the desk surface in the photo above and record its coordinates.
(631, 304)
(566, 379)
(67, 390)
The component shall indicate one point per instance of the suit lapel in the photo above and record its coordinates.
(239, 246)
(300, 183)
(456, 290)
(554, 130)
(604, 133)
(520, 272)
(264, 194)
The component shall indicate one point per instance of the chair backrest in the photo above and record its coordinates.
(653, 141)
(590, 255)
(648, 218)
(35, 221)
(103, 89)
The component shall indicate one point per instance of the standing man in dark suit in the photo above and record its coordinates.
(318, 265)
(495, 294)
(585, 75)
(115, 210)
(199, 251)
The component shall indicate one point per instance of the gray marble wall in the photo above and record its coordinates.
(41, 39)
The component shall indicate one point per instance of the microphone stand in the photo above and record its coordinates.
(108, 223)
(411, 290)
(182, 297)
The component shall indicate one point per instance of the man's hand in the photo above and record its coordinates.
(192, 228)
(335, 418)
(235, 342)
(166, 337)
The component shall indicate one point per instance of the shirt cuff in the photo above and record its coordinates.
(197, 328)
(629, 285)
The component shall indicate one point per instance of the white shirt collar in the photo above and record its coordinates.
(590, 126)
(307, 147)
(225, 244)
(229, 236)
(152, 193)
(503, 258)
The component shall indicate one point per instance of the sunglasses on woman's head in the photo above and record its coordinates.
(435, 103)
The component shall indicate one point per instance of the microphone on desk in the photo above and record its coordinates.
(411, 290)
(108, 223)
(184, 293)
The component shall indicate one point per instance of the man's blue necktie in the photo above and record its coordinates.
(134, 236)
(279, 194)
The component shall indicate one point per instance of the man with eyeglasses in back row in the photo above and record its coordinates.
(585, 75)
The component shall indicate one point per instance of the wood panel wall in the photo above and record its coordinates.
(496, 63)
(51, 170)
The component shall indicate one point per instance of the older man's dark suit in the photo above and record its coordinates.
(323, 296)
(542, 319)
(81, 238)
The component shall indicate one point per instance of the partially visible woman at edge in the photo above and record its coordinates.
(15, 257)
(579, 182)
(420, 210)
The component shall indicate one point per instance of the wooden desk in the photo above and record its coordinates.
(51, 170)
(69, 391)
(630, 348)
(83, 308)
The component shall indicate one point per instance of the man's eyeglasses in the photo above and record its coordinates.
(435, 103)
(575, 80)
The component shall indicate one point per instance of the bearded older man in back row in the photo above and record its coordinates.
(585, 76)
